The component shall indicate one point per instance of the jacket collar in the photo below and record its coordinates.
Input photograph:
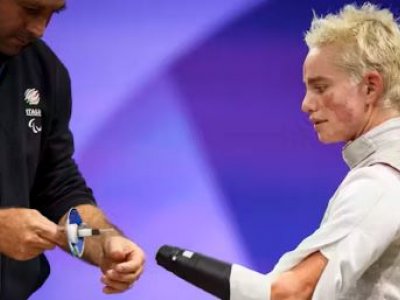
(366, 145)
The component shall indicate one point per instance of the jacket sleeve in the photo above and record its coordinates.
(58, 184)
(350, 257)
(362, 220)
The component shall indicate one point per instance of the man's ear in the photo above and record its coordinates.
(374, 86)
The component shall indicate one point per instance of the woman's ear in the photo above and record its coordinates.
(374, 87)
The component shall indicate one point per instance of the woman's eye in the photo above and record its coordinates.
(320, 88)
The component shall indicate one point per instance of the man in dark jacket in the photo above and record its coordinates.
(39, 180)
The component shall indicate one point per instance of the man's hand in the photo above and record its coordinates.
(122, 264)
(25, 233)
(120, 260)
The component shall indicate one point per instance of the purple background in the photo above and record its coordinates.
(188, 127)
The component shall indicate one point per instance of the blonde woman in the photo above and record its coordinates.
(352, 79)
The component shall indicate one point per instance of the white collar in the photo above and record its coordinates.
(367, 144)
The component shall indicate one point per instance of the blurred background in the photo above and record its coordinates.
(188, 128)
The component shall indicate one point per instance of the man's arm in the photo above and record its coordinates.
(59, 185)
(120, 260)
(299, 283)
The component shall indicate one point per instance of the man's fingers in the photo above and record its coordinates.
(109, 290)
(35, 241)
(26, 233)
(134, 261)
(44, 244)
(123, 264)
(52, 238)
(46, 229)
(116, 281)
(113, 286)
(123, 277)
(120, 277)
(35, 247)
(116, 252)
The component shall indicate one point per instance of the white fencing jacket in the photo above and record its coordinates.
(360, 231)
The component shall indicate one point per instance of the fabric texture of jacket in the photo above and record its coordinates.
(37, 170)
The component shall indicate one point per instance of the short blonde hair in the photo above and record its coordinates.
(368, 38)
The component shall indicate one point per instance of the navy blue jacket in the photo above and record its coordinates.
(36, 166)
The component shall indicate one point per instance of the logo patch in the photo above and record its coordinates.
(32, 96)
(35, 128)
(33, 112)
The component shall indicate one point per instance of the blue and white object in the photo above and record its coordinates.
(74, 223)
(77, 230)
